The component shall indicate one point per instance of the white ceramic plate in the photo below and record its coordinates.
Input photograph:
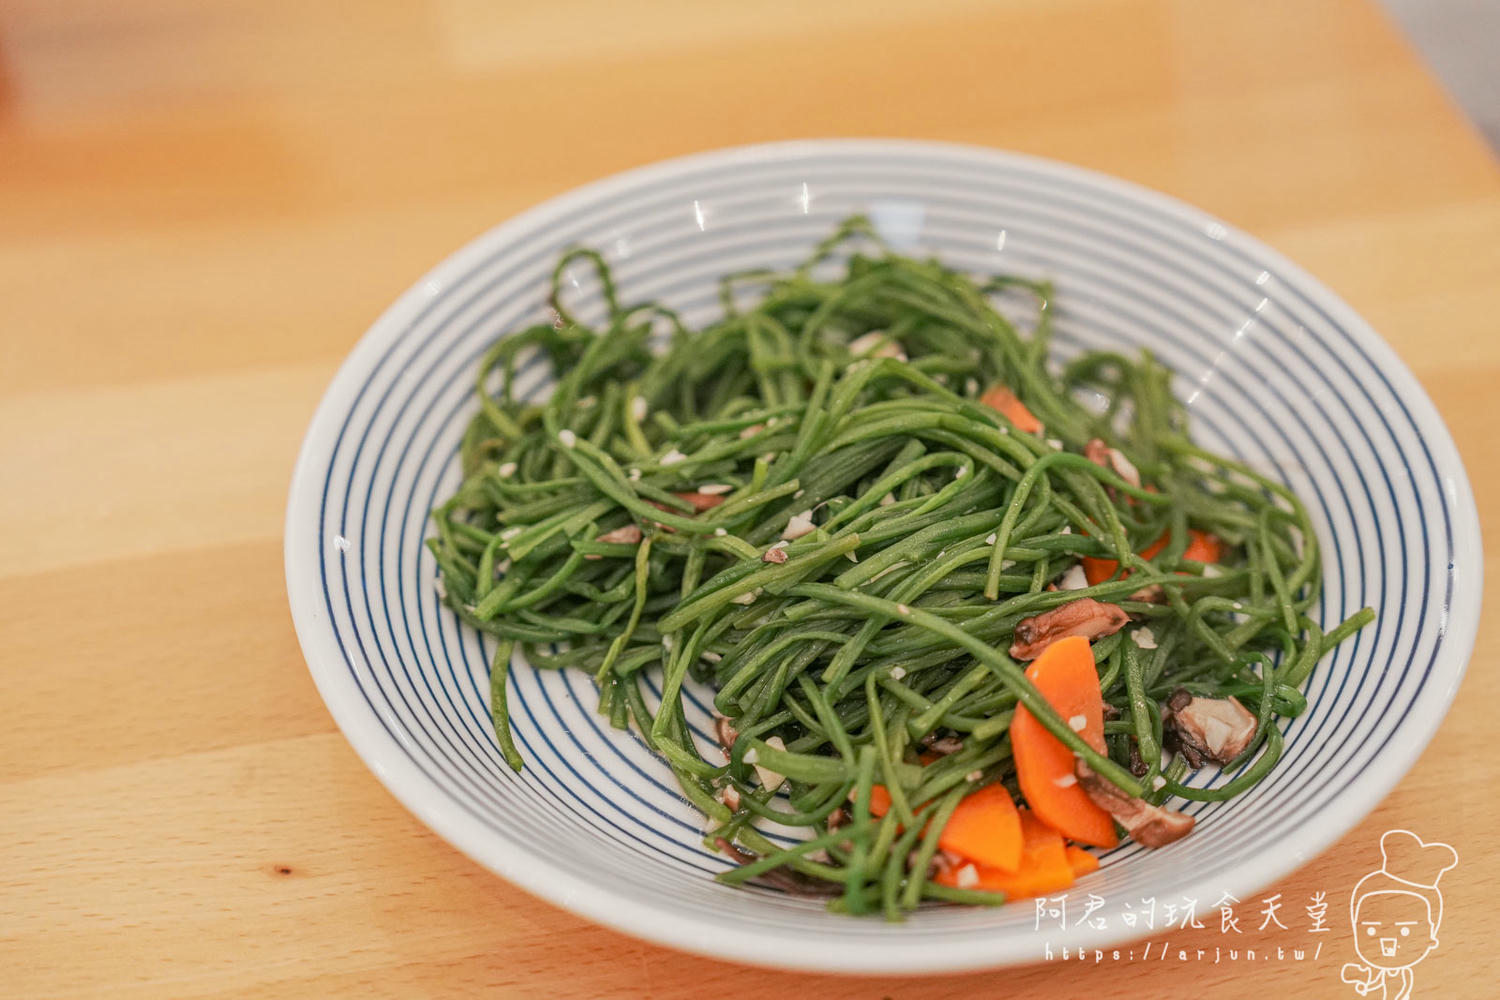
(1274, 367)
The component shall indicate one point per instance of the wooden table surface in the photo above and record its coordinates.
(202, 206)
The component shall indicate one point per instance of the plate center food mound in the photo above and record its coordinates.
(685, 509)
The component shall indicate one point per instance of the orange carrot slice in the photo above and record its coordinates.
(1202, 547)
(986, 828)
(1096, 571)
(1081, 861)
(1043, 869)
(1000, 398)
(1065, 675)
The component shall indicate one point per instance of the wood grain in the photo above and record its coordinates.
(203, 205)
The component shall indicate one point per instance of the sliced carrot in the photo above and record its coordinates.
(1202, 547)
(1043, 869)
(1096, 571)
(986, 828)
(929, 757)
(1066, 676)
(1081, 861)
(1000, 398)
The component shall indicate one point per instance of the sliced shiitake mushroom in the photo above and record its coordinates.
(1216, 729)
(725, 732)
(1086, 617)
(942, 744)
(1101, 454)
(1148, 825)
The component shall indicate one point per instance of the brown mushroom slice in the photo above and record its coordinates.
(1097, 451)
(696, 499)
(737, 854)
(1218, 729)
(1101, 454)
(942, 744)
(1148, 825)
(1152, 594)
(700, 500)
(629, 534)
(1086, 617)
(725, 732)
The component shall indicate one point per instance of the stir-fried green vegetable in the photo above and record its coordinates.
(830, 508)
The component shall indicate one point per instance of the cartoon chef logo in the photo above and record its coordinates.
(1396, 912)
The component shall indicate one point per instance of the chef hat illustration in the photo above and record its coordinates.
(1407, 864)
